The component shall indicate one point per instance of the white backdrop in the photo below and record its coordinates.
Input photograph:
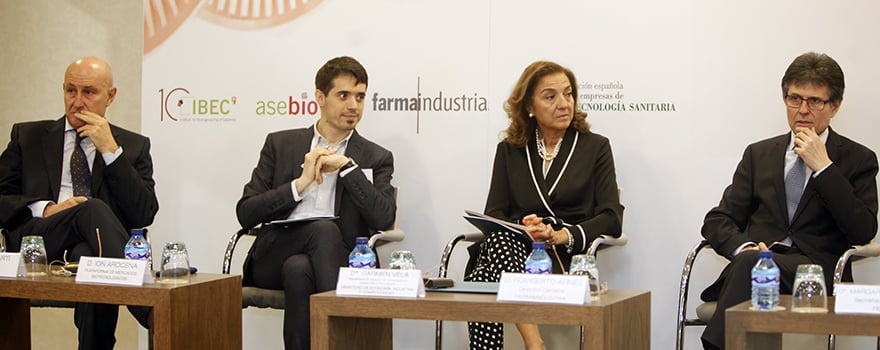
(680, 87)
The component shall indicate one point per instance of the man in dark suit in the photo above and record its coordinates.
(764, 207)
(84, 196)
(320, 187)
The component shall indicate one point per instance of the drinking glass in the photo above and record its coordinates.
(33, 255)
(808, 294)
(585, 265)
(2, 243)
(174, 267)
(402, 260)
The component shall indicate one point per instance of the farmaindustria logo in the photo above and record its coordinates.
(439, 101)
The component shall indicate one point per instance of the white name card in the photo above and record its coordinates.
(380, 282)
(113, 271)
(555, 289)
(9, 263)
(856, 299)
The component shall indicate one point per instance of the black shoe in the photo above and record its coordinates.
(709, 346)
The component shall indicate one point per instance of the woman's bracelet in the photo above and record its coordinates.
(570, 245)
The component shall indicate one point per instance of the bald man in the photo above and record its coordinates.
(64, 179)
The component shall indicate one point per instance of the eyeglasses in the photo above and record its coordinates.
(815, 103)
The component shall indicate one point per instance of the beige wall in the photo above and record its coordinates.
(39, 39)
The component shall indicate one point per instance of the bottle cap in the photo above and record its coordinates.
(137, 231)
(362, 240)
(765, 254)
(537, 245)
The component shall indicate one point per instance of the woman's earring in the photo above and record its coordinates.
(531, 115)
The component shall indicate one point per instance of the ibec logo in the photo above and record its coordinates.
(303, 106)
(178, 104)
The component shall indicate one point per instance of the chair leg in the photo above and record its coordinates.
(583, 339)
(832, 342)
(438, 334)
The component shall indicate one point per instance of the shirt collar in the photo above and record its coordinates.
(321, 140)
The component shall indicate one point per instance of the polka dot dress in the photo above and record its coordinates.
(499, 252)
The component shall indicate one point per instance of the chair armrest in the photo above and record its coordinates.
(606, 241)
(683, 288)
(3, 239)
(230, 246)
(870, 250)
(447, 251)
(395, 235)
(472, 236)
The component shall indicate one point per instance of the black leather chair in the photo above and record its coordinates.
(271, 298)
(704, 311)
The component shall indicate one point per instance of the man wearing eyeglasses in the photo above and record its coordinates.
(806, 195)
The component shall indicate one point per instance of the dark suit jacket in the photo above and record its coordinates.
(30, 170)
(580, 188)
(838, 207)
(360, 205)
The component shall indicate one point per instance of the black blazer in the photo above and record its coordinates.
(580, 188)
(360, 205)
(838, 207)
(30, 171)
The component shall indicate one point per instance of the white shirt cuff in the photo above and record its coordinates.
(37, 208)
(347, 171)
(816, 173)
(747, 244)
(110, 157)
(296, 197)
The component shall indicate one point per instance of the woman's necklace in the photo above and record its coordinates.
(542, 150)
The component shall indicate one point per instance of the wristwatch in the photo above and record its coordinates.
(349, 165)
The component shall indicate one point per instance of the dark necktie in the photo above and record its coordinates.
(794, 186)
(80, 175)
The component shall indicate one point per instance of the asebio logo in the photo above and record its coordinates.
(301, 107)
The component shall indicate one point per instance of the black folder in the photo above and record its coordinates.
(488, 224)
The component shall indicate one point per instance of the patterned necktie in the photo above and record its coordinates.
(80, 175)
(794, 186)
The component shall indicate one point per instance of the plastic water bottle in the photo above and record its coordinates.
(137, 247)
(362, 257)
(538, 262)
(765, 283)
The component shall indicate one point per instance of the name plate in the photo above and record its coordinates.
(553, 289)
(113, 271)
(9, 263)
(380, 282)
(856, 299)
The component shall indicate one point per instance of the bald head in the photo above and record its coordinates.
(88, 86)
(93, 66)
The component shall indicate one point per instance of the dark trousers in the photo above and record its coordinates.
(73, 230)
(734, 286)
(302, 259)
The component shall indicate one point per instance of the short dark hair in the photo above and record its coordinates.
(343, 65)
(816, 69)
